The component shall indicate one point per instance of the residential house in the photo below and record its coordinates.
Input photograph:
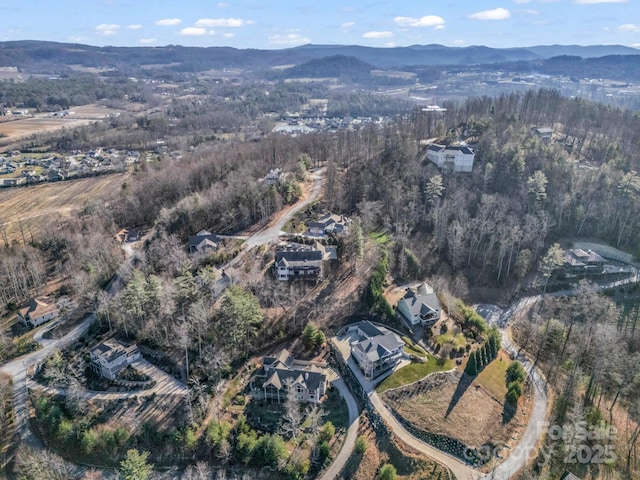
(273, 177)
(36, 312)
(567, 475)
(377, 350)
(203, 241)
(545, 133)
(451, 158)
(111, 356)
(328, 224)
(308, 379)
(582, 262)
(128, 235)
(301, 261)
(419, 306)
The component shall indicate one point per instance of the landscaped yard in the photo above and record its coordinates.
(412, 373)
(411, 348)
(470, 409)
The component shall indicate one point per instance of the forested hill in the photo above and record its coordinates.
(333, 66)
(50, 57)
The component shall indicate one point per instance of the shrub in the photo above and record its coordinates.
(388, 472)
(327, 432)
(515, 372)
(361, 445)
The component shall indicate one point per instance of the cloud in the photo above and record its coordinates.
(136, 26)
(223, 22)
(385, 34)
(78, 39)
(227, 35)
(222, 5)
(147, 41)
(193, 31)
(390, 44)
(289, 39)
(426, 21)
(628, 28)
(348, 24)
(169, 22)
(530, 11)
(594, 2)
(495, 14)
(107, 29)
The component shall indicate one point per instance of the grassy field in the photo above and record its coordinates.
(412, 373)
(493, 376)
(36, 205)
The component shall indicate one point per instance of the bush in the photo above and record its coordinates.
(388, 472)
(361, 445)
(515, 372)
(327, 432)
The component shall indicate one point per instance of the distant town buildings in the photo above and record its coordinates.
(451, 158)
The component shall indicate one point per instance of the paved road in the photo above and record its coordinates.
(352, 432)
(272, 233)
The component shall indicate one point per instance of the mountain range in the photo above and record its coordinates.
(47, 57)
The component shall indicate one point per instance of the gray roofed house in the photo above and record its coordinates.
(111, 356)
(308, 379)
(377, 350)
(328, 224)
(420, 305)
(545, 133)
(203, 241)
(300, 261)
(451, 158)
(582, 262)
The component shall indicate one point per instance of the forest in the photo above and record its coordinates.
(488, 230)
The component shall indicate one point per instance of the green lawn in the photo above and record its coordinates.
(411, 348)
(379, 237)
(493, 376)
(412, 373)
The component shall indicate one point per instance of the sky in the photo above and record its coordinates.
(286, 23)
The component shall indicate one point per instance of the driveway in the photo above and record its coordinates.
(461, 470)
(352, 432)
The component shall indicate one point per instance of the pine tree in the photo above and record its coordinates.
(472, 366)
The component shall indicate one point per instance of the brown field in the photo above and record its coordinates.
(473, 413)
(10, 131)
(38, 204)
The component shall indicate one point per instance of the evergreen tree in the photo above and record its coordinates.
(472, 366)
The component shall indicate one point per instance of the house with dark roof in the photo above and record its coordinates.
(577, 261)
(328, 224)
(283, 372)
(451, 158)
(111, 356)
(203, 241)
(36, 312)
(301, 261)
(419, 305)
(377, 350)
(544, 133)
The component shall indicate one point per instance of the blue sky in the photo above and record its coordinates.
(281, 24)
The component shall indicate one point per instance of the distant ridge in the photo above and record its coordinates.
(48, 57)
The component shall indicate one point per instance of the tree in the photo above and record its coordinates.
(434, 189)
(515, 372)
(537, 185)
(551, 261)
(292, 416)
(472, 364)
(240, 315)
(388, 472)
(135, 466)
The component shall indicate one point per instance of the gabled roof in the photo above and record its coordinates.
(421, 301)
(37, 307)
(110, 350)
(311, 380)
(378, 342)
(203, 235)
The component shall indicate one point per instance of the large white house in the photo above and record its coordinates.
(420, 305)
(108, 358)
(451, 158)
(377, 350)
(37, 312)
(283, 372)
